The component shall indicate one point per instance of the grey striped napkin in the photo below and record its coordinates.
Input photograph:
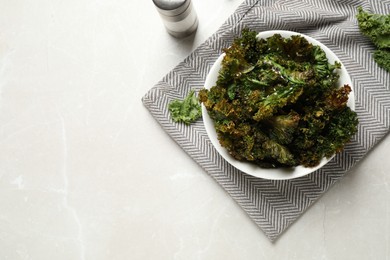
(274, 205)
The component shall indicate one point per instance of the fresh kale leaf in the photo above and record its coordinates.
(382, 57)
(187, 110)
(377, 28)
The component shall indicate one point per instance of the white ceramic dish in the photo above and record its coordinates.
(252, 169)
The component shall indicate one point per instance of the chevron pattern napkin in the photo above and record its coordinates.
(274, 205)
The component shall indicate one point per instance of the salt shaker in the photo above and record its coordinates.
(179, 16)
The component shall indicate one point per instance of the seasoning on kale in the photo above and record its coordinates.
(276, 102)
(187, 110)
(377, 28)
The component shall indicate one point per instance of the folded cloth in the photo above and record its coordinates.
(274, 205)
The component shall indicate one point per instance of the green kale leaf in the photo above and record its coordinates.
(187, 110)
(377, 28)
(382, 57)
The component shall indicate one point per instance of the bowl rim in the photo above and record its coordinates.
(253, 169)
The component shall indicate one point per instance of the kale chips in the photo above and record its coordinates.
(277, 103)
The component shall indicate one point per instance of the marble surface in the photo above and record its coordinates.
(87, 173)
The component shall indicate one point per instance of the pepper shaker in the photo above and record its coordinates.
(179, 16)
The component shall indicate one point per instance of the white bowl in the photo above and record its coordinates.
(253, 169)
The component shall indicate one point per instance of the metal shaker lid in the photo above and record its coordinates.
(171, 7)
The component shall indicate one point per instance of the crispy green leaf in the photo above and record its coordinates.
(276, 102)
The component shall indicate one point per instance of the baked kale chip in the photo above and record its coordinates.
(276, 102)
